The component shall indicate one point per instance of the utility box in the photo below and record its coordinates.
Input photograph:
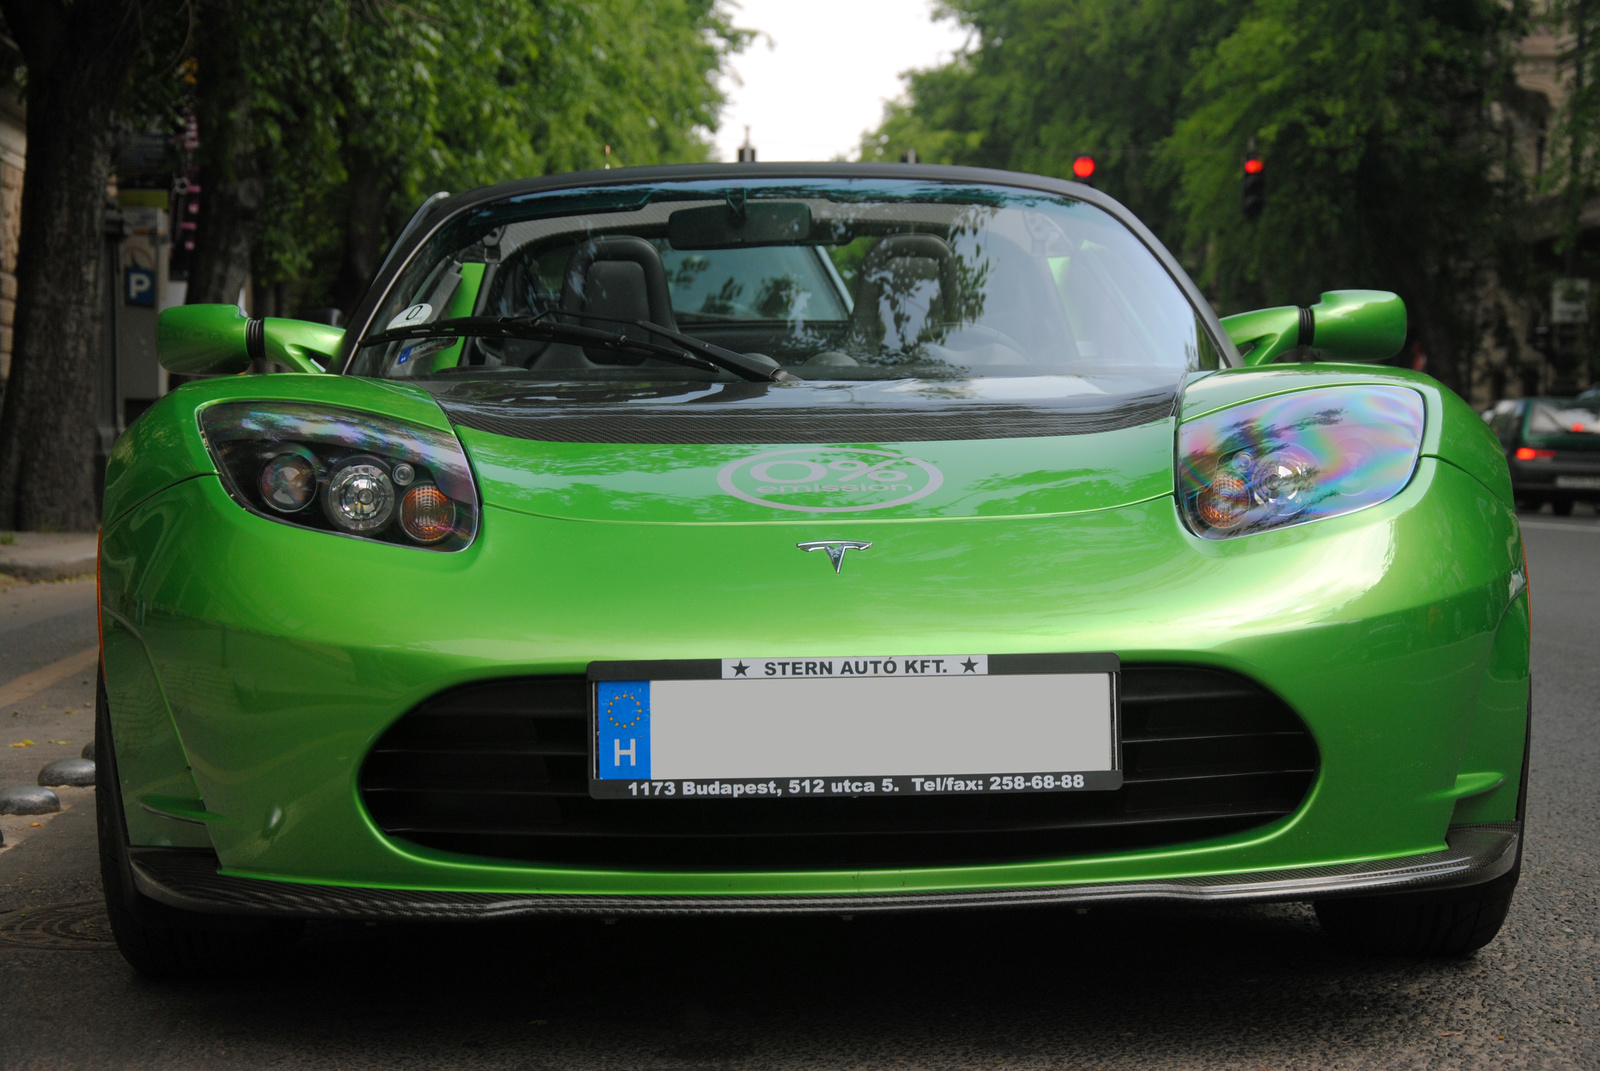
(142, 294)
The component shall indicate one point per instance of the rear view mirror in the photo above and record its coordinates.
(201, 340)
(727, 226)
(1346, 325)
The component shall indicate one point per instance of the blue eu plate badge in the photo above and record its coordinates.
(622, 716)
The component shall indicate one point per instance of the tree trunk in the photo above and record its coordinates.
(231, 187)
(370, 190)
(78, 58)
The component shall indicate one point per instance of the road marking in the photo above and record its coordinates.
(1546, 526)
(15, 691)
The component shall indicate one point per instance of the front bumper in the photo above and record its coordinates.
(251, 667)
(190, 880)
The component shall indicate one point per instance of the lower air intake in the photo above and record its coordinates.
(500, 769)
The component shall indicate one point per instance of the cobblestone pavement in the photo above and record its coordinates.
(1245, 988)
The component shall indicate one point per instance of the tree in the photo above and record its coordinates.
(227, 47)
(1388, 167)
(323, 122)
(80, 57)
(1575, 148)
(358, 109)
(1049, 80)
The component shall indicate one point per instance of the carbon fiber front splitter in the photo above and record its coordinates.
(189, 880)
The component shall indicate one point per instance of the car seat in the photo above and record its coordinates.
(620, 276)
(906, 286)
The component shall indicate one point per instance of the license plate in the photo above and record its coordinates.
(921, 725)
(1579, 483)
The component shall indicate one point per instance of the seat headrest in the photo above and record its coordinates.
(620, 276)
(906, 282)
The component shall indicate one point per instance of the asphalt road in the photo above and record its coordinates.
(1246, 988)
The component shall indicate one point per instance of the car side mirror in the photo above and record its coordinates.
(202, 340)
(1346, 325)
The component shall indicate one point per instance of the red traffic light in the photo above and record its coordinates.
(1083, 167)
(1254, 194)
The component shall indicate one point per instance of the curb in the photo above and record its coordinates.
(47, 555)
(57, 570)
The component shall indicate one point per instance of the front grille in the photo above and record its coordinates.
(500, 769)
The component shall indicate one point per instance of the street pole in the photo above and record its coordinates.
(1574, 183)
(115, 229)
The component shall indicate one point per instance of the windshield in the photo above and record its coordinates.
(1564, 418)
(832, 280)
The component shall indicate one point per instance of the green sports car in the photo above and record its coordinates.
(803, 538)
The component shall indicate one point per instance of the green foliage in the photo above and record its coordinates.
(1050, 80)
(1574, 159)
(1386, 167)
(392, 100)
(1384, 164)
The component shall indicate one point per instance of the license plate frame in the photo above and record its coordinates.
(1578, 483)
(703, 717)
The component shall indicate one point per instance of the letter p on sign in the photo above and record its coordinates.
(139, 287)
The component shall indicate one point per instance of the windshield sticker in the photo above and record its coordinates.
(416, 314)
(830, 479)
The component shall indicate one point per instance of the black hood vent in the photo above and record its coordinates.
(717, 413)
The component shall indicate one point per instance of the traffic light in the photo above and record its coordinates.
(1083, 168)
(1255, 186)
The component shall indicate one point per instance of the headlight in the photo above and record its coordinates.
(1296, 458)
(368, 476)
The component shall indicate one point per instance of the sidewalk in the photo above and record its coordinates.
(47, 555)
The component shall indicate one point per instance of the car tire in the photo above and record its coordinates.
(1451, 923)
(158, 940)
(1561, 507)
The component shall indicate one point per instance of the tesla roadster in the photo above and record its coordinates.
(803, 538)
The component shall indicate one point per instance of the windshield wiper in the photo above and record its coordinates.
(700, 355)
(734, 361)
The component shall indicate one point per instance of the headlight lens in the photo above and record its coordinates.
(1296, 458)
(360, 496)
(289, 480)
(373, 477)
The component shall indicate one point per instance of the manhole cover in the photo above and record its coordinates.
(76, 927)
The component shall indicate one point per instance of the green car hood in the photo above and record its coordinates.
(753, 454)
(681, 460)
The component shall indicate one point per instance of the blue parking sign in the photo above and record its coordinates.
(138, 287)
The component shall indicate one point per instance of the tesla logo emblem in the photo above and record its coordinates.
(835, 549)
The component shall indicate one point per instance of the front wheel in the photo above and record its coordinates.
(155, 939)
(1453, 922)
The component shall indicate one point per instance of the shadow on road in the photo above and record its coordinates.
(1012, 984)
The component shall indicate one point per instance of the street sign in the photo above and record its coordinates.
(138, 286)
(1569, 301)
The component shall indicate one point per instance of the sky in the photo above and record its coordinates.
(822, 71)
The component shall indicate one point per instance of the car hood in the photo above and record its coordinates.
(712, 453)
